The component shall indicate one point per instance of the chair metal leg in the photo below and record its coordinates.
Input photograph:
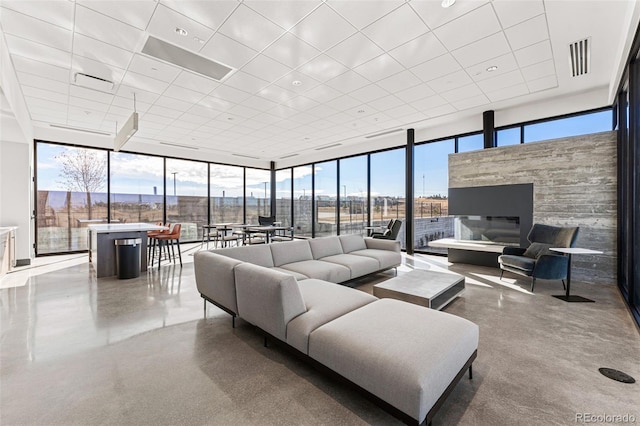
(564, 286)
(533, 283)
(501, 273)
(179, 253)
(205, 307)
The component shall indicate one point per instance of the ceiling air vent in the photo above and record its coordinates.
(580, 57)
(388, 132)
(93, 82)
(328, 146)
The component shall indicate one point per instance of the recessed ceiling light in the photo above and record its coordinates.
(230, 118)
(297, 83)
(181, 31)
(447, 3)
(492, 68)
(360, 111)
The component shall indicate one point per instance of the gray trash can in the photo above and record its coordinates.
(128, 257)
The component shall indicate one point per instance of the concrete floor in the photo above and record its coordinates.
(78, 350)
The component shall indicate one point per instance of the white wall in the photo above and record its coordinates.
(16, 194)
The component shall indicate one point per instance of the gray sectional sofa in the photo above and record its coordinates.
(406, 357)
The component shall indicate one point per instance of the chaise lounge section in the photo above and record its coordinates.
(384, 347)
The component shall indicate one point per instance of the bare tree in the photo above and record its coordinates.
(83, 170)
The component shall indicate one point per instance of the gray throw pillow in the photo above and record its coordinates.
(535, 250)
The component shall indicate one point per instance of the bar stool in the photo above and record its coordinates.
(151, 240)
(171, 237)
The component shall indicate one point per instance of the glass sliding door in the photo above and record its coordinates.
(258, 194)
(137, 189)
(431, 187)
(326, 182)
(302, 200)
(283, 197)
(186, 183)
(388, 188)
(227, 193)
(353, 202)
(71, 194)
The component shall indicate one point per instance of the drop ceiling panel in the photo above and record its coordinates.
(172, 103)
(284, 13)
(194, 82)
(469, 91)
(429, 103)
(230, 94)
(122, 102)
(43, 83)
(323, 68)
(181, 93)
(418, 50)
(259, 103)
(246, 82)
(40, 52)
(108, 30)
(360, 17)
(527, 33)
(398, 82)
(41, 69)
(297, 82)
(164, 23)
(209, 13)
(502, 81)
(153, 68)
(369, 93)
(434, 15)
(543, 83)
(505, 63)
(533, 54)
(539, 70)
(47, 95)
(385, 103)
(87, 104)
(140, 94)
(57, 12)
(379, 68)
(135, 13)
(250, 28)
(466, 29)
(213, 103)
(414, 93)
(313, 28)
(470, 102)
(266, 68)
(346, 102)
(435, 68)
(101, 52)
(384, 31)
(93, 95)
(227, 51)
(291, 51)
(490, 47)
(512, 12)
(355, 50)
(277, 94)
(348, 82)
(35, 30)
(508, 93)
(87, 66)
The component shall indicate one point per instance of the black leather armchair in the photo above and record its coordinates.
(392, 232)
(536, 261)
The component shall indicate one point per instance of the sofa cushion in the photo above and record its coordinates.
(215, 278)
(403, 353)
(298, 276)
(525, 264)
(326, 246)
(535, 250)
(387, 259)
(294, 251)
(325, 302)
(268, 299)
(258, 254)
(318, 269)
(352, 242)
(359, 265)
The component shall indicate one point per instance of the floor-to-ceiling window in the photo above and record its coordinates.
(388, 188)
(470, 142)
(258, 193)
(302, 200)
(136, 188)
(71, 193)
(326, 182)
(353, 202)
(186, 183)
(283, 197)
(431, 187)
(581, 124)
(226, 193)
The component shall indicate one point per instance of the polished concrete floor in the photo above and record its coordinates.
(76, 350)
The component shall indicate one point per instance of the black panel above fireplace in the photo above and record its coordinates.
(499, 200)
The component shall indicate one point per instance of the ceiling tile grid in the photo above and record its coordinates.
(297, 67)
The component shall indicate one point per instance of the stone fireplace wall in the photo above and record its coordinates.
(574, 184)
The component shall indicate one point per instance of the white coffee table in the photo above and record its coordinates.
(432, 289)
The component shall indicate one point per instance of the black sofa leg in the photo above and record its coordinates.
(266, 342)
(471, 372)
(533, 283)
(233, 321)
(501, 273)
(205, 308)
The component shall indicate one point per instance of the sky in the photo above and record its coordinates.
(141, 174)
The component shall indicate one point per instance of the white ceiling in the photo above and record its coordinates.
(365, 66)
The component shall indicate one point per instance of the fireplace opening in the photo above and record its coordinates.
(503, 230)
